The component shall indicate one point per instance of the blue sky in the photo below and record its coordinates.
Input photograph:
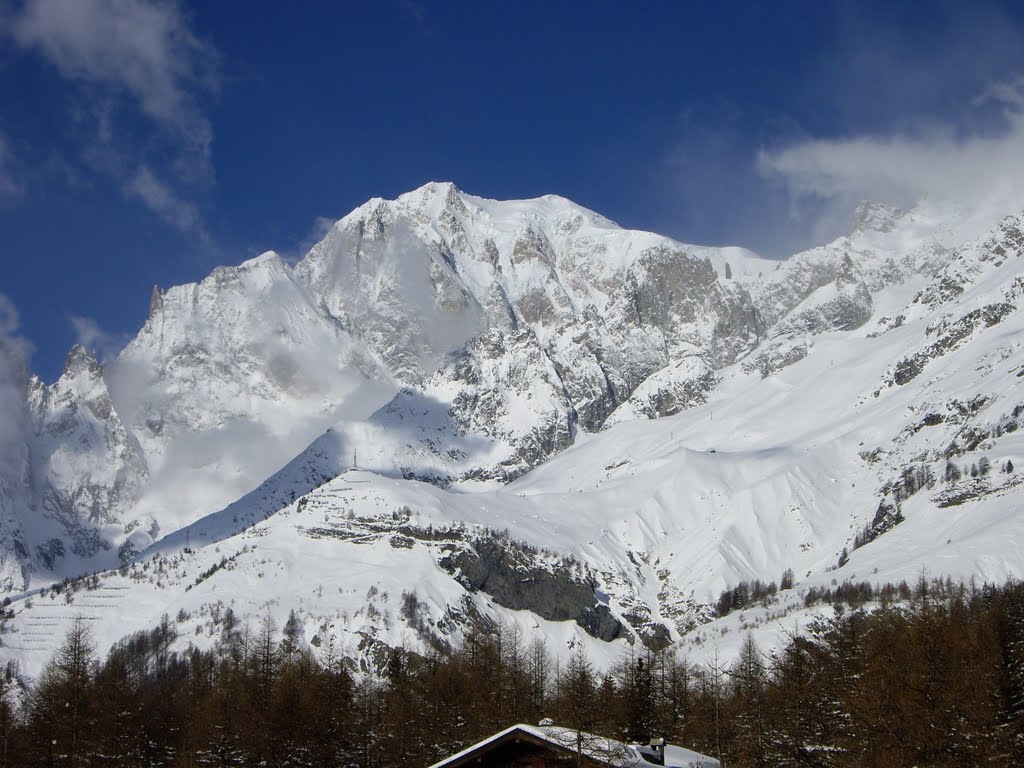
(146, 142)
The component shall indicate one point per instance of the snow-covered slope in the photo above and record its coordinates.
(690, 418)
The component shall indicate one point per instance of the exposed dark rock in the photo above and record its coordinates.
(519, 578)
(951, 337)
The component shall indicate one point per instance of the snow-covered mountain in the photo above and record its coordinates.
(456, 410)
(513, 324)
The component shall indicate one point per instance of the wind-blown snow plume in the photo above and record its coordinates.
(938, 162)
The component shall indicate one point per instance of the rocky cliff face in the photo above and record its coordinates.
(88, 469)
(540, 317)
(422, 276)
(885, 248)
(681, 384)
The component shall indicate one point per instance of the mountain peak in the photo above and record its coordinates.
(870, 216)
(434, 188)
(433, 193)
(80, 359)
(156, 301)
(267, 258)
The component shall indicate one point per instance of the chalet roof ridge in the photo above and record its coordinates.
(598, 749)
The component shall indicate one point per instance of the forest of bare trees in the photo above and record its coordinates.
(937, 680)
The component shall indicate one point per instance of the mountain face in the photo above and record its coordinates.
(460, 410)
(516, 325)
(527, 320)
(88, 469)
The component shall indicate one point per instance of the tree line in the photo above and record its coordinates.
(935, 680)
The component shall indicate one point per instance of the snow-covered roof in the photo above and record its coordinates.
(598, 748)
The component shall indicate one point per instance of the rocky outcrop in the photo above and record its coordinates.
(508, 388)
(845, 304)
(523, 578)
(674, 388)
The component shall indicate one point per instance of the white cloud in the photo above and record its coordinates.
(8, 317)
(89, 334)
(317, 232)
(144, 48)
(161, 199)
(978, 170)
(143, 73)
(1009, 94)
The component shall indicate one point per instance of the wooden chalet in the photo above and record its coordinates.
(550, 746)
